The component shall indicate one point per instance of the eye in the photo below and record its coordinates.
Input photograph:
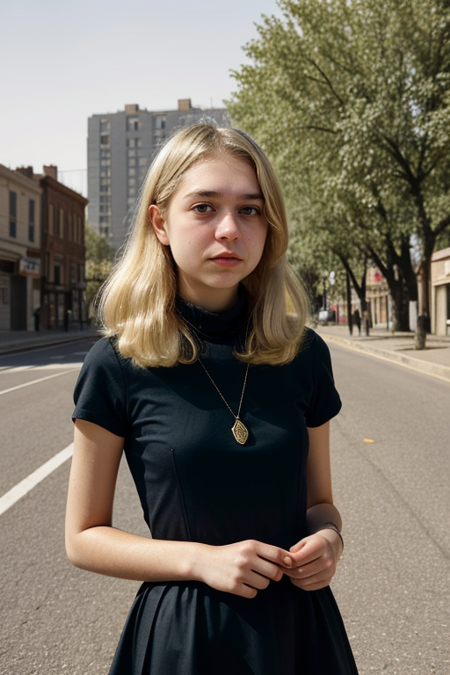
(202, 208)
(250, 211)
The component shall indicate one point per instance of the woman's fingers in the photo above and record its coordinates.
(243, 568)
(314, 563)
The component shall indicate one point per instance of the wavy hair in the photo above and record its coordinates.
(137, 302)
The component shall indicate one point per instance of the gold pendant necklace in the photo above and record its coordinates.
(239, 430)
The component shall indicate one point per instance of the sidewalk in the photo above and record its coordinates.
(397, 347)
(21, 340)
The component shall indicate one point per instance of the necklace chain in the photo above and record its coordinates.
(239, 430)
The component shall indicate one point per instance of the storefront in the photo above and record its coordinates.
(440, 296)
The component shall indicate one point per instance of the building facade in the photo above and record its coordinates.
(121, 146)
(440, 292)
(20, 250)
(63, 291)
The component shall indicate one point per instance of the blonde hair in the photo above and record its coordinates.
(137, 302)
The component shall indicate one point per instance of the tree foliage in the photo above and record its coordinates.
(99, 261)
(351, 100)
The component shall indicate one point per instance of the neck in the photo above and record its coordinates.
(219, 301)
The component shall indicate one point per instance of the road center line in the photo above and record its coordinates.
(28, 483)
(41, 379)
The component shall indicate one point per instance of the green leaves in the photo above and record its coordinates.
(99, 261)
(350, 99)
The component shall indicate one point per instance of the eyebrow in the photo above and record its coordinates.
(248, 196)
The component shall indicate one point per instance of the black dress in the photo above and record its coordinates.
(196, 483)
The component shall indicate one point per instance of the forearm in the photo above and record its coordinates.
(242, 568)
(112, 552)
(326, 519)
(319, 515)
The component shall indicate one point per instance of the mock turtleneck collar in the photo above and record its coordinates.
(215, 324)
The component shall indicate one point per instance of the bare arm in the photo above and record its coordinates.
(316, 556)
(92, 542)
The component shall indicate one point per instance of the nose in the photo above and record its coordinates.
(228, 227)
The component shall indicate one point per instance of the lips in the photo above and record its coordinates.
(226, 259)
(226, 255)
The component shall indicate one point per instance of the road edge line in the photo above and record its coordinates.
(28, 483)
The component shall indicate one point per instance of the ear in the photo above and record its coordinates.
(158, 224)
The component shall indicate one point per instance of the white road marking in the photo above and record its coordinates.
(28, 483)
(28, 384)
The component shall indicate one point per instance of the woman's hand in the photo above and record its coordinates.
(243, 568)
(314, 560)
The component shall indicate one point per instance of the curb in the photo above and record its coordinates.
(15, 348)
(434, 369)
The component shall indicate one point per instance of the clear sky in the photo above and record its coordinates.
(64, 61)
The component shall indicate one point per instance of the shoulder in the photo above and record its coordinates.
(103, 364)
(105, 354)
(313, 346)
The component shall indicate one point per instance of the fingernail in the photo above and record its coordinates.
(287, 561)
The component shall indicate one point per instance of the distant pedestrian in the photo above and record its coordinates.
(37, 318)
(221, 400)
(357, 320)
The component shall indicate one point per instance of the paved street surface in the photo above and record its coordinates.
(393, 583)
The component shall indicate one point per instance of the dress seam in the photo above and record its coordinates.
(180, 493)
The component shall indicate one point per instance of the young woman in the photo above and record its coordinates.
(221, 400)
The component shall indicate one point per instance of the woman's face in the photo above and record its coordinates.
(215, 229)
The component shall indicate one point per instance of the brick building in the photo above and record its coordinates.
(63, 254)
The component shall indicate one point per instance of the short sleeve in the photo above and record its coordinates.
(325, 402)
(100, 391)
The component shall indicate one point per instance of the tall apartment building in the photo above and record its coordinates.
(121, 146)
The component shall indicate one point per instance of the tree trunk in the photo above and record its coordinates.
(349, 304)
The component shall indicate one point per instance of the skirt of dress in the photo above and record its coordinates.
(190, 629)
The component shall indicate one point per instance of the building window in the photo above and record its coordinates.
(51, 219)
(12, 214)
(132, 123)
(160, 122)
(104, 125)
(60, 224)
(31, 208)
(58, 272)
(104, 139)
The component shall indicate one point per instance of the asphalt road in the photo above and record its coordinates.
(393, 583)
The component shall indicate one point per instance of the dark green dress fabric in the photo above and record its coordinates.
(196, 483)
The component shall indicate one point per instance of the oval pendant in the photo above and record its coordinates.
(240, 431)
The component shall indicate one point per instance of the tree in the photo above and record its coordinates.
(99, 261)
(351, 100)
